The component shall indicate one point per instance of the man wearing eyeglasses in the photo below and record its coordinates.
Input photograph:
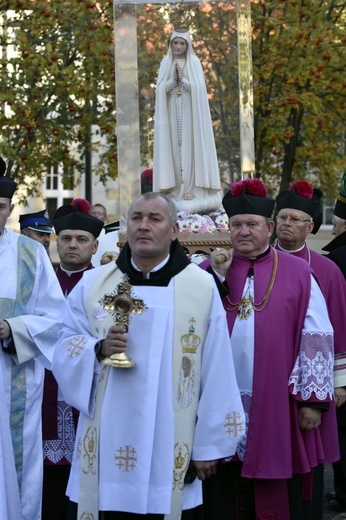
(279, 327)
(299, 215)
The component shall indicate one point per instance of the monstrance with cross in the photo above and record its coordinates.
(122, 304)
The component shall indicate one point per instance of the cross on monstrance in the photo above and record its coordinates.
(121, 304)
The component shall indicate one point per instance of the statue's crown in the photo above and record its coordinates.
(180, 17)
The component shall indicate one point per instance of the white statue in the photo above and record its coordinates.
(185, 161)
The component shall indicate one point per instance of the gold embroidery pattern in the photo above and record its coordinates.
(186, 380)
(190, 341)
(181, 463)
(126, 458)
(78, 451)
(234, 424)
(76, 346)
(90, 447)
(86, 516)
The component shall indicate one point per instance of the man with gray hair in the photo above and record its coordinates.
(144, 432)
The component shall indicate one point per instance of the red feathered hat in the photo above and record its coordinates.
(304, 197)
(248, 196)
(76, 216)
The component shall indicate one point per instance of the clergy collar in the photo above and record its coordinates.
(70, 273)
(176, 262)
(338, 241)
(156, 268)
(290, 250)
(264, 253)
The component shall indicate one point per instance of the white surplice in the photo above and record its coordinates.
(136, 456)
(31, 301)
(10, 508)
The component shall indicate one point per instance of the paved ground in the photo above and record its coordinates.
(328, 486)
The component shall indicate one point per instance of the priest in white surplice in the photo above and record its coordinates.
(30, 304)
(136, 436)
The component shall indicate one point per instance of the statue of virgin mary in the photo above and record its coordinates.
(185, 162)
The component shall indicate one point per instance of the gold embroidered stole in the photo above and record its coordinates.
(193, 292)
(192, 303)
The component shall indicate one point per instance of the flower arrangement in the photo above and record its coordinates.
(214, 222)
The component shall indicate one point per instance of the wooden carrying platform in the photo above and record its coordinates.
(196, 243)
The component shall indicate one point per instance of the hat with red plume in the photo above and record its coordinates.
(248, 197)
(303, 197)
(76, 216)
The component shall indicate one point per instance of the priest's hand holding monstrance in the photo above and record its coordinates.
(121, 304)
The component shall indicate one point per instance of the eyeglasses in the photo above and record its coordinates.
(293, 220)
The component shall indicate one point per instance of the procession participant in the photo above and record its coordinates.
(77, 232)
(279, 326)
(299, 214)
(30, 305)
(136, 433)
(337, 253)
(77, 241)
(99, 211)
(36, 226)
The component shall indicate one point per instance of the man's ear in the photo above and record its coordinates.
(271, 226)
(309, 228)
(175, 231)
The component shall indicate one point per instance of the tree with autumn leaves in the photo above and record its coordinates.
(299, 58)
(57, 80)
(60, 80)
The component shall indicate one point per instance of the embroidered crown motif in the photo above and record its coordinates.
(179, 460)
(191, 341)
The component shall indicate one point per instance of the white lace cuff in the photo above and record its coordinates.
(312, 373)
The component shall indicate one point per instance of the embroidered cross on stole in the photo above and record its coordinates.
(192, 311)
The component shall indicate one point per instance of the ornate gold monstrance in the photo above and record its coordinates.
(121, 304)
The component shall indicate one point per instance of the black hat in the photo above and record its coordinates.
(112, 226)
(7, 185)
(38, 221)
(76, 216)
(248, 196)
(340, 205)
(304, 197)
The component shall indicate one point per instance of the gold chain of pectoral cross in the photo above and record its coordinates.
(246, 303)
